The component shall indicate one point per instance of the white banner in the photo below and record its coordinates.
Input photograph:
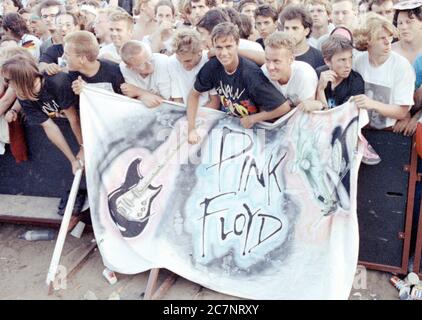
(262, 213)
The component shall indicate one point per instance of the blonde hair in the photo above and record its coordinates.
(119, 15)
(280, 40)
(23, 71)
(84, 43)
(368, 29)
(186, 41)
(132, 48)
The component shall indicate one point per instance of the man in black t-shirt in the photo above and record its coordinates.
(81, 51)
(297, 23)
(337, 81)
(243, 89)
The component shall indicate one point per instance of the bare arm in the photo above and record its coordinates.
(214, 102)
(149, 99)
(49, 68)
(192, 109)
(249, 121)
(7, 100)
(56, 137)
(387, 110)
(256, 56)
(74, 122)
(320, 96)
(418, 99)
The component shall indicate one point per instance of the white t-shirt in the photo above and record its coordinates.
(250, 45)
(301, 85)
(157, 82)
(182, 80)
(110, 50)
(393, 82)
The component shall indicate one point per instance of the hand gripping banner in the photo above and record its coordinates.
(262, 213)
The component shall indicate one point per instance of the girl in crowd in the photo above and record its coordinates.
(41, 98)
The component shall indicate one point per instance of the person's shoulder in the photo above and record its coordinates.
(314, 51)
(245, 63)
(160, 59)
(250, 45)
(212, 63)
(58, 46)
(160, 56)
(418, 59)
(109, 65)
(398, 60)
(303, 71)
(173, 64)
(107, 47)
(303, 66)
(354, 75)
(58, 79)
(55, 48)
(362, 57)
(173, 59)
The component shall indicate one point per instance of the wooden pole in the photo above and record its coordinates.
(63, 230)
(152, 281)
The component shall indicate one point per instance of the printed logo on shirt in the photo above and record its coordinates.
(50, 108)
(378, 93)
(331, 103)
(229, 99)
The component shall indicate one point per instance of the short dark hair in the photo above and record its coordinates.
(234, 16)
(212, 18)
(18, 4)
(292, 12)
(15, 23)
(225, 29)
(243, 3)
(208, 3)
(48, 4)
(335, 44)
(265, 10)
(411, 13)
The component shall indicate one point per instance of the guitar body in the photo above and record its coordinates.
(130, 204)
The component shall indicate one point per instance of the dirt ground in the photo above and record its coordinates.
(24, 265)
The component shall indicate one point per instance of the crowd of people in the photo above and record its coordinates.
(253, 59)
